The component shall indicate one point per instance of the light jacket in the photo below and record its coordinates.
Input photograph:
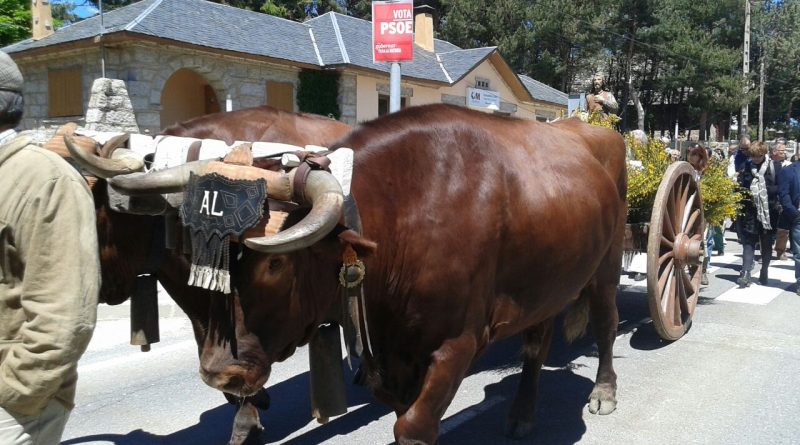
(49, 276)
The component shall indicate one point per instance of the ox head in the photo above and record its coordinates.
(122, 256)
(284, 285)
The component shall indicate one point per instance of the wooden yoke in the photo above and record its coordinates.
(279, 185)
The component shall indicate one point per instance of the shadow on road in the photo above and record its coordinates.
(562, 397)
(282, 419)
(208, 430)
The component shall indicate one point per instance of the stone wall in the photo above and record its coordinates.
(35, 89)
(145, 69)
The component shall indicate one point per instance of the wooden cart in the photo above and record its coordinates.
(674, 244)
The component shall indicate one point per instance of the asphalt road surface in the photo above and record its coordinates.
(732, 379)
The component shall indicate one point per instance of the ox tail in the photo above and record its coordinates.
(577, 317)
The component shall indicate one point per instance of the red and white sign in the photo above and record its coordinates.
(392, 31)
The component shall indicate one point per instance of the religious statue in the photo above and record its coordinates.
(600, 99)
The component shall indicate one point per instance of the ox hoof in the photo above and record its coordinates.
(603, 400)
(518, 429)
(247, 426)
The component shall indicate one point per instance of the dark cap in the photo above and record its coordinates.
(10, 77)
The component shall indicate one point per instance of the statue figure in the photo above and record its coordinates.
(599, 99)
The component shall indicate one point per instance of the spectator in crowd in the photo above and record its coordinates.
(778, 153)
(789, 192)
(50, 274)
(733, 149)
(760, 211)
(698, 157)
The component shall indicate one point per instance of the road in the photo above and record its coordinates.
(730, 379)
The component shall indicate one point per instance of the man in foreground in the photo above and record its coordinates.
(49, 278)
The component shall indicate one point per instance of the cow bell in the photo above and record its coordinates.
(144, 312)
(328, 395)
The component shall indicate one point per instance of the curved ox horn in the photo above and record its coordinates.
(326, 196)
(175, 179)
(122, 161)
(169, 180)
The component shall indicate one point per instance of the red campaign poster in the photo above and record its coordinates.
(392, 31)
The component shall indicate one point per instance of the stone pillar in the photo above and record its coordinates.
(348, 98)
(110, 107)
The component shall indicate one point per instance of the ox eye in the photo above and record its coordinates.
(275, 264)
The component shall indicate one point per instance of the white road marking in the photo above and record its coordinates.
(717, 262)
(780, 279)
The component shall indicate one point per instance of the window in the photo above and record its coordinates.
(65, 92)
(481, 83)
(280, 95)
(383, 104)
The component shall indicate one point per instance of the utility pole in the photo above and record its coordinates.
(745, 69)
(761, 101)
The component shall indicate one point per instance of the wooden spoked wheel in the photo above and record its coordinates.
(675, 251)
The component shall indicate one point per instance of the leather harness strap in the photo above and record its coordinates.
(313, 161)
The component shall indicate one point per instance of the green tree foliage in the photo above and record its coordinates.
(701, 42)
(552, 40)
(15, 21)
(317, 93)
(505, 24)
(779, 30)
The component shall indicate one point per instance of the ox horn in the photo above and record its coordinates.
(170, 180)
(175, 179)
(122, 161)
(326, 197)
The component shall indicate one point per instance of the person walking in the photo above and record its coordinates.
(778, 153)
(789, 193)
(760, 209)
(49, 278)
(698, 157)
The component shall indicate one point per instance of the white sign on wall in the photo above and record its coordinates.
(485, 99)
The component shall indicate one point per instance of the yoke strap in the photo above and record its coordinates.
(310, 161)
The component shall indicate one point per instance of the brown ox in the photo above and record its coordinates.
(127, 241)
(486, 227)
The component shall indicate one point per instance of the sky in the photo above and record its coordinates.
(83, 8)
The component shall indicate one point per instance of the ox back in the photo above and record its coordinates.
(486, 227)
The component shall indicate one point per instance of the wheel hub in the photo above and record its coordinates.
(688, 251)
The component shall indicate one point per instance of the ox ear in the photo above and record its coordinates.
(363, 247)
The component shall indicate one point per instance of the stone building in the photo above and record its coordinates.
(185, 58)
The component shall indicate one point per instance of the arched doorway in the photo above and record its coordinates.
(186, 94)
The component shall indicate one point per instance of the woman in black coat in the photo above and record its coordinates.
(760, 210)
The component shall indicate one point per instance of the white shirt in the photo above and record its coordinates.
(7, 136)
